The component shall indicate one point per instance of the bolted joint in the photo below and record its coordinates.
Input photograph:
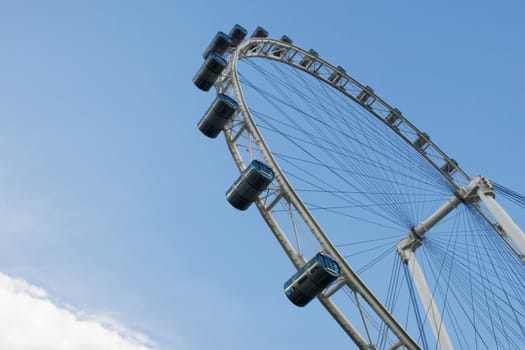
(416, 233)
(469, 194)
(408, 244)
(486, 187)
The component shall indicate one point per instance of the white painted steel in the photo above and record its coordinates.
(229, 83)
(290, 195)
(431, 310)
(439, 214)
(510, 228)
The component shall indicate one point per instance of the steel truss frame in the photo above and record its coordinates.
(469, 192)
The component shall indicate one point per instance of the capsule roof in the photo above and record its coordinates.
(286, 39)
(313, 52)
(237, 34)
(262, 169)
(260, 32)
(217, 58)
(228, 100)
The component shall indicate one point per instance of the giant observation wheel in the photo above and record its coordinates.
(425, 258)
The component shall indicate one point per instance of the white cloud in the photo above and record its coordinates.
(30, 320)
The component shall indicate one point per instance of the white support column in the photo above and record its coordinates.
(501, 216)
(431, 310)
(406, 250)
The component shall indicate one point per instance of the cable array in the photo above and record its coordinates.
(367, 186)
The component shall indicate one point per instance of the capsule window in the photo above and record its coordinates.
(307, 285)
(301, 280)
(314, 268)
(265, 173)
(219, 44)
(220, 112)
(250, 184)
(237, 34)
(210, 71)
(332, 267)
(290, 289)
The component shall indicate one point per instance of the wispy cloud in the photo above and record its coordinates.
(29, 319)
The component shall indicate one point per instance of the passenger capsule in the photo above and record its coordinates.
(365, 94)
(237, 34)
(251, 183)
(286, 39)
(260, 32)
(307, 61)
(393, 117)
(279, 51)
(219, 44)
(336, 76)
(450, 167)
(422, 141)
(209, 71)
(220, 111)
(311, 279)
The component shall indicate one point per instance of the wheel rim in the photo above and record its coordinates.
(244, 133)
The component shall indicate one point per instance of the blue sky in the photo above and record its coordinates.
(112, 201)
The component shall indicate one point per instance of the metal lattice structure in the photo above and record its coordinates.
(340, 158)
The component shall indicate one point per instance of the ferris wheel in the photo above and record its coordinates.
(395, 240)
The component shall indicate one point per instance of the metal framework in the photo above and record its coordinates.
(468, 191)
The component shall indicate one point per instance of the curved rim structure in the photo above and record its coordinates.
(282, 193)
